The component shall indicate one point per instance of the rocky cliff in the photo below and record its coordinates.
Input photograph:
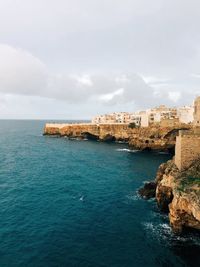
(156, 137)
(179, 194)
(153, 137)
(104, 132)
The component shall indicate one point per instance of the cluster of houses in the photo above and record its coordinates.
(161, 115)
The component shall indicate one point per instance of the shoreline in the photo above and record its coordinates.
(148, 138)
(168, 177)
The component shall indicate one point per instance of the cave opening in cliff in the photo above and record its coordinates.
(109, 138)
(90, 136)
(171, 150)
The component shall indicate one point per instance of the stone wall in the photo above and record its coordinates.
(169, 122)
(187, 149)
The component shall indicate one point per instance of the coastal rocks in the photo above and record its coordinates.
(179, 193)
(185, 206)
(184, 213)
(156, 138)
(148, 191)
(164, 197)
(103, 132)
(160, 172)
(89, 136)
(165, 183)
(163, 193)
(108, 138)
(149, 138)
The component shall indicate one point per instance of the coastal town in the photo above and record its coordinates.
(99, 133)
(159, 115)
(176, 130)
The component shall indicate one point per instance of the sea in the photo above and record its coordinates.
(74, 203)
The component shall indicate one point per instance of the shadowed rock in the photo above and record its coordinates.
(148, 191)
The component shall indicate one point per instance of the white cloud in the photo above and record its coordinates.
(123, 78)
(195, 75)
(76, 15)
(84, 80)
(155, 81)
(110, 96)
(21, 72)
(174, 96)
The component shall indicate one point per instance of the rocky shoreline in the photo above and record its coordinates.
(148, 138)
(177, 193)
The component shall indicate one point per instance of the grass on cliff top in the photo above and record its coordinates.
(189, 183)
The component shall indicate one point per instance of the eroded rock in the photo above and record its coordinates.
(148, 191)
(179, 193)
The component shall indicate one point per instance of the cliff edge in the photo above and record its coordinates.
(152, 137)
(178, 193)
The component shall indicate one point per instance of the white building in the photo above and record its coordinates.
(155, 115)
(186, 114)
(144, 120)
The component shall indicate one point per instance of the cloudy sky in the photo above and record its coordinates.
(72, 59)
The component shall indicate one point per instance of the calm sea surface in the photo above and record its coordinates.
(75, 203)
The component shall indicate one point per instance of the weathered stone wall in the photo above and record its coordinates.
(169, 122)
(197, 112)
(178, 149)
(187, 149)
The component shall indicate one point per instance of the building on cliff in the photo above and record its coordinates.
(197, 111)
(186, 114)
(187, 148)
(161, 115)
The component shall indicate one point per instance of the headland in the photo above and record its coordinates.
(153, 137)
(177, 183)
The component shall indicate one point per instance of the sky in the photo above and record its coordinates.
(73, 59)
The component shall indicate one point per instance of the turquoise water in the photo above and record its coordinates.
(75, 203)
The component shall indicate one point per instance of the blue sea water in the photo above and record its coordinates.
(75, 203)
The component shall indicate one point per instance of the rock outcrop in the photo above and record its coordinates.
(152, 138)
(149, 190)
(156, 138)
(179, 194)
(104, 132)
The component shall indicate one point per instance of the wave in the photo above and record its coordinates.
(77, 139)
(133, 197)
(121, 142)
(82, 198)
(161, 230)
(127, 150)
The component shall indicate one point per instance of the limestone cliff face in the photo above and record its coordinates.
(153, 137)
(105, 132)
(179, 193)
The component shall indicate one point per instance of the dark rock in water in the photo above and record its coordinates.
(164, 197)
(148, 191)
(109, 138)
